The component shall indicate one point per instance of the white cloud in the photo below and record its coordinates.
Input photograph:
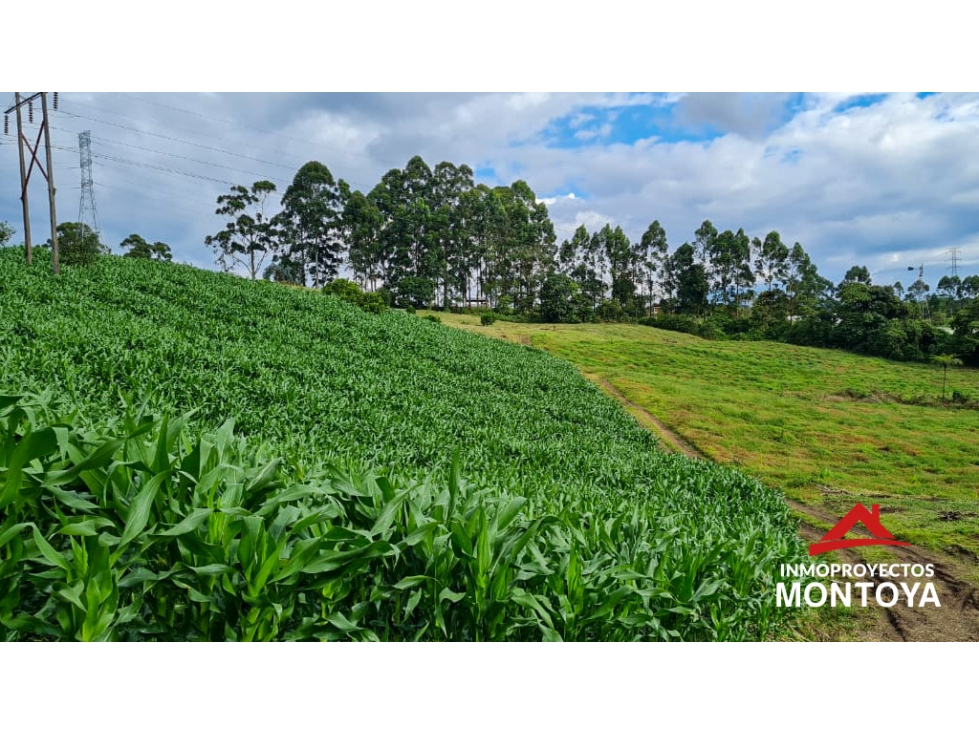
(898, 179)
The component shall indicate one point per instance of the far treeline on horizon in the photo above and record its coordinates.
(428, 237)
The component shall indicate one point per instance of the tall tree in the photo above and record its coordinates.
(362, 225)
(771, 259)
(522, 246)
(653, 248)
(476, 205)
(688, 279)
(703, 241)
(621, 265)
(251, 235)
(857, 274)
(729, 254)
(970, 286)
(311, 223)
(449, 225)
(804, 285)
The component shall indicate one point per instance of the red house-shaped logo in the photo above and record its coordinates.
(833, 540)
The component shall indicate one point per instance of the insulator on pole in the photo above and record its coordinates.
(30, 112)
(56, 100)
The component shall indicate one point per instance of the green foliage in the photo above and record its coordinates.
(251, 235)
(410, 309)
(433, 318)
(135, 246)
(559, 299)
(78, 244)
(159, 532)
(6, 232)
(416, 291)
(609, 310)
(284, 271)
(310, 223)
(347, 290)
(688, 279)
(373, 303)
(487, 319)
(344, 515)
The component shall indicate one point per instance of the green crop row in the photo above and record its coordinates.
(333, 508)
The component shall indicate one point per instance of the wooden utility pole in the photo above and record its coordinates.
(45, 170)
(23, 178)
(55, 259)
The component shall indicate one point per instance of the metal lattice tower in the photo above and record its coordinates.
(953, 255)
(87, 211)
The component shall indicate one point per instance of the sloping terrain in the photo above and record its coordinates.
(558, 519)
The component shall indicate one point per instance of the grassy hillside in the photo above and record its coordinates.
(559, 519)
(829, 427)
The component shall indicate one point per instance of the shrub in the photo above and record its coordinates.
(487, 319)
(432, 317)
(373, 303)
(345, 290)
(410, 309)
(78, 244)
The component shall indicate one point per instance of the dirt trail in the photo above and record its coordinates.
(958, 617)
(648, 420)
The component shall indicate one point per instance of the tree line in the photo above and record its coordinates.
(432, 237)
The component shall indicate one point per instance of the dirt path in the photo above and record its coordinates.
(648, 420)
(958, 617)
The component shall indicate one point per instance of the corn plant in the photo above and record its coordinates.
(233, 460)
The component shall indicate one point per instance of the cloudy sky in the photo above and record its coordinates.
(886, 181)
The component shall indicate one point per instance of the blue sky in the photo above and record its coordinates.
(884, 180)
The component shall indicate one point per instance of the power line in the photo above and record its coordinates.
(116, 159)
(181, 157)
(236, 123)
(177, 140)
(184, 141)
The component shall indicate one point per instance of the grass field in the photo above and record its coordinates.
(829, 428)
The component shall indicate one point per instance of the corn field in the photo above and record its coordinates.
(188, 456)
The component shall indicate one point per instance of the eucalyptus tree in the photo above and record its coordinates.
(703, 241)
(362, 227)
(475, 205)
(687, 278)
(804, 285)
(251, 235)
(449, 227)
(622, 264)
(771, 259)
(653, 254)
(730, 258)
(311, 223)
